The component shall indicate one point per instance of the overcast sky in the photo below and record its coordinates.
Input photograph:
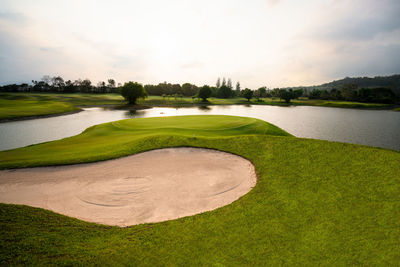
(275, 43)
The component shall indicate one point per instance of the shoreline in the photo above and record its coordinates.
(395, 108)
(80, 109)
(22, 118)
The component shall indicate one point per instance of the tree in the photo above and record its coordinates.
(46, 79)
(176, 89)
(229, 84)
(86, 86)
(110, 85)
(286, 95)
(248, 94)
(237, 89)
(69, 87)
(204, 93)
(223, 82)
(315, 94)
(58, 83)
(349, 91)
(218, 84)
(298, 93)
(131, 91)
(262, 91)
(224, 92)
(101, 87)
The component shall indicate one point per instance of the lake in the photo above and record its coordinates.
(380, 128)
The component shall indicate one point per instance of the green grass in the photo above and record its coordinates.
(20, 105)
(11, 109)
(315, 202)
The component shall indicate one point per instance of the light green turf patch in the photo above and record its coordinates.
(11, 109)
(19, 105)
(315, 202)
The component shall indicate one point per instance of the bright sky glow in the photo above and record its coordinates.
(275, 43)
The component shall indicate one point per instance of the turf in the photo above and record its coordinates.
(20, 105)
(11, 109)
(315, 202)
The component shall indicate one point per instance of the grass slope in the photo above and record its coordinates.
(12, 109)
(315, 202)
(19, 105)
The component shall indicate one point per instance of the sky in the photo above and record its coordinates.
(273, 43)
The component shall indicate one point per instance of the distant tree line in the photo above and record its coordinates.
(57, 84)
(222, 89)
(351, 92)
(392, 82)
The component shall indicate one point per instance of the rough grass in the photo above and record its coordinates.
(315, 203)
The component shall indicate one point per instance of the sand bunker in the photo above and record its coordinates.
(152, 186)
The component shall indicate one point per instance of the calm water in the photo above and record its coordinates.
(380, 128)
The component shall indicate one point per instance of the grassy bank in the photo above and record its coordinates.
(315, 202)
(22, 105)
(31, 106)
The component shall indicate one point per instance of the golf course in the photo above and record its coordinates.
(314, 203)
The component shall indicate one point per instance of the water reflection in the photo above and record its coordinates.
(369, 127)
(204, 108)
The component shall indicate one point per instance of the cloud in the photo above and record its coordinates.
(263, 42)
(358, 20)
(272, 3)
(17, 19)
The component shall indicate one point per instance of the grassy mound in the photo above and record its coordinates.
(315, 202)
(125, 137)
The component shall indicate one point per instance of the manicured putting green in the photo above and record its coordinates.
(315, 202)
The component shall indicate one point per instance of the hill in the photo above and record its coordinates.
(392, 82)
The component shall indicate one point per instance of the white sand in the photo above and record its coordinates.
(153, 186)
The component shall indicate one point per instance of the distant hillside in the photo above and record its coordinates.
(392, 82)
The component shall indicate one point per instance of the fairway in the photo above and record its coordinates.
(315, 202)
